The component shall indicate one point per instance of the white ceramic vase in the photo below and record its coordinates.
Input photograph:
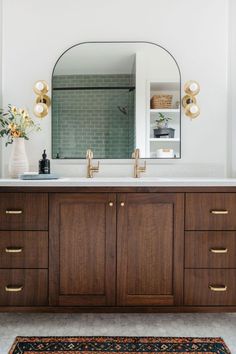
(18, 162)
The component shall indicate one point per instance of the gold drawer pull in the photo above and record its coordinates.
(14, 212)
(218, 250)
(122, 204)
(13, 249)
(217, 287)
(219, 212)
(111, 204)
(14, 288)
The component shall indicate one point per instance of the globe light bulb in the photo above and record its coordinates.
(39, 108)
(193, 109)
(39, 85)
(193, 87)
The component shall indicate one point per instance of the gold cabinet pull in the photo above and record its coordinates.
(13, 249)
(217, 287)
(122, 204)
(218, 250)
(219, 212)
(14, 212)
(111, 204)
(14, 288)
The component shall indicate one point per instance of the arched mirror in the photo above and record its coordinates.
(112, 97)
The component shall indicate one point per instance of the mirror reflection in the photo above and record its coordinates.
(114, 97)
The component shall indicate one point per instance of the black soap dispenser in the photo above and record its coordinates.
(44, 164)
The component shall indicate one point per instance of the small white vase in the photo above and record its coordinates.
(18, 162)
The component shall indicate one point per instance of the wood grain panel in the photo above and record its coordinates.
(199, 207)
(34, 208)
(33, 246)
(34, 284)
(199, 246)
(149, 239)
(82, 249)
(148, 232)
(197, 291)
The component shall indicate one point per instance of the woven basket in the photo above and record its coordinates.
(161, 101)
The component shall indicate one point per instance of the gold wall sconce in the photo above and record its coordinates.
(189, 101)
(43, 101)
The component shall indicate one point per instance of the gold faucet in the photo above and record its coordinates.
(138, 169)
(90, 168)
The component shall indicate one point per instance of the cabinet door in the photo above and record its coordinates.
(150, 249)
(82, 249)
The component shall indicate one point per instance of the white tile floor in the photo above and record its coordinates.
(187, 325)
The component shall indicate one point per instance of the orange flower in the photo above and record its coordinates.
(16, 134)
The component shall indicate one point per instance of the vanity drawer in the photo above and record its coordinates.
(21, 287)
(210, 249)
(210, 211)
(23, 249)
(206, 287)
(23, 211)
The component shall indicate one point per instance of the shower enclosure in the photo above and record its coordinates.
(94, 112)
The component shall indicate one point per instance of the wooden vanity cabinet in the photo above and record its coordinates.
(113, 249)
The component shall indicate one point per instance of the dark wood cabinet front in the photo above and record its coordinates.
(210, 211)
(83, 249)
(210, 249)
(150, 252)
(23, 249)
(118, 249)
(207, 287)
(23, 287)
(24, 211)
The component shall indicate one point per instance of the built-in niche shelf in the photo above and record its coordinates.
(153, 144)
(165, 110)
(161, 140)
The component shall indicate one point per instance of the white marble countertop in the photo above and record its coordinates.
(122, 182)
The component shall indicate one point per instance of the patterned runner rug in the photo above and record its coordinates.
(124, 345)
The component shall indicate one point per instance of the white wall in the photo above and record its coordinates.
(232, 84)
(0, 70)
(195, 32)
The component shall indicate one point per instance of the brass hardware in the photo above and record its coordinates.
(14, 212)
(122, 204)
(192, 88)
(189, 102)
(111, 204)
(14, 288)
(41, 110)
(138, 169)
(13, 249)
(217, 287)
(40, 87)
(192, 110)
(90, 168)
(219, 212)
(218, 250)
(187, 99)
(42, 101)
